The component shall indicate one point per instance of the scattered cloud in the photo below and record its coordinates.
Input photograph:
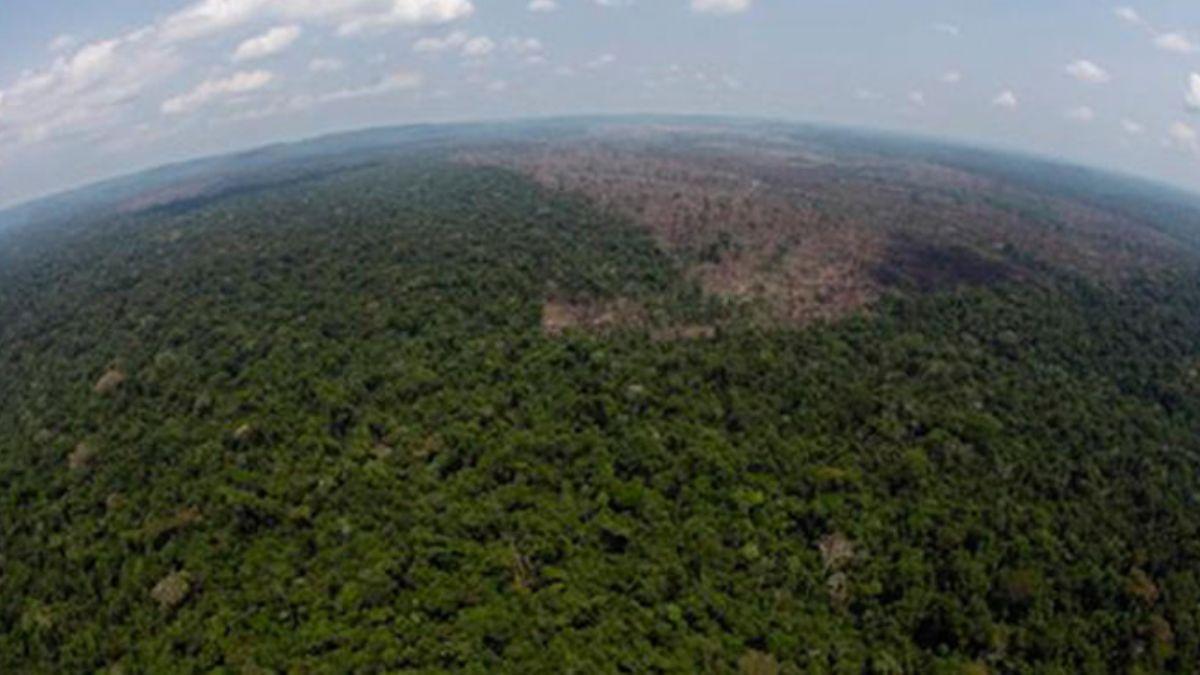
(108, 87)
(401, 80)
(82, 92)
(523, 46)
(62, 43)
(407, 13)
(207, 17)
(720, 6)
(320, 65)
(1082, 113)
(602, 61)
(1129, 15)
(676, 76)
(1171, 41)
(269, 43)
(947, 29)
(350, 17)
(1175, 42)
(96, 88)
(1086, 71)
(210, 90)
(469, 47)
(530, 49)
(1185, 136)
(951, 77)
(1192, 98)
(453, 40)
(478, 47)
(1006, 99)
(1132, 128)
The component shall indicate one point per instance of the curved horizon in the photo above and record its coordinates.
(89, 93)
(1031, 156)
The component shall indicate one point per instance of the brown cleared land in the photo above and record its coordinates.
(814, 233)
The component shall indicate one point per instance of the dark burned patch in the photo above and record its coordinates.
(927, 267)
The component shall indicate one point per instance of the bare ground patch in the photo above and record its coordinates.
(560, 316)
(813, 235)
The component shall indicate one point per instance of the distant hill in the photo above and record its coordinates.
(209, 176)
(872, 208)
(212, 176)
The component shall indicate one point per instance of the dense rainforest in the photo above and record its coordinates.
(326, 426)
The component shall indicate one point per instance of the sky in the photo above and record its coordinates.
(90, 90)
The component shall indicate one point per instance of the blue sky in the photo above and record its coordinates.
(94, 89)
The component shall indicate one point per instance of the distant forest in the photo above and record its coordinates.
(520, 406)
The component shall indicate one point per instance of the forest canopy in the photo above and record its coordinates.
(459, 408)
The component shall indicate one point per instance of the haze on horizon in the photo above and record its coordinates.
(89, 91)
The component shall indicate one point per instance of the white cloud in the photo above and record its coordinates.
(917, 98)
(470, 47)
(207, 17)
(351, 17)
(433, 44)
(531, 50)
(497, 86)
(602, 61)
(1175, 42)
(62, 43)
(271, 42)
(1185, 136)
(210, 90)
(398, 81)
(324, 65)
(95, 88)
(1086, 71)
(543, 5)
(82, 92)
(1171, 41)
(523, 46)
(1129, 14)
(409, 13)
(1132, 128)
(947, 29)
(478, 47)
(1192, 98)
(1081, 114)
(402, 80)
(720, 6)
(951, 77)
(1006, 99)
